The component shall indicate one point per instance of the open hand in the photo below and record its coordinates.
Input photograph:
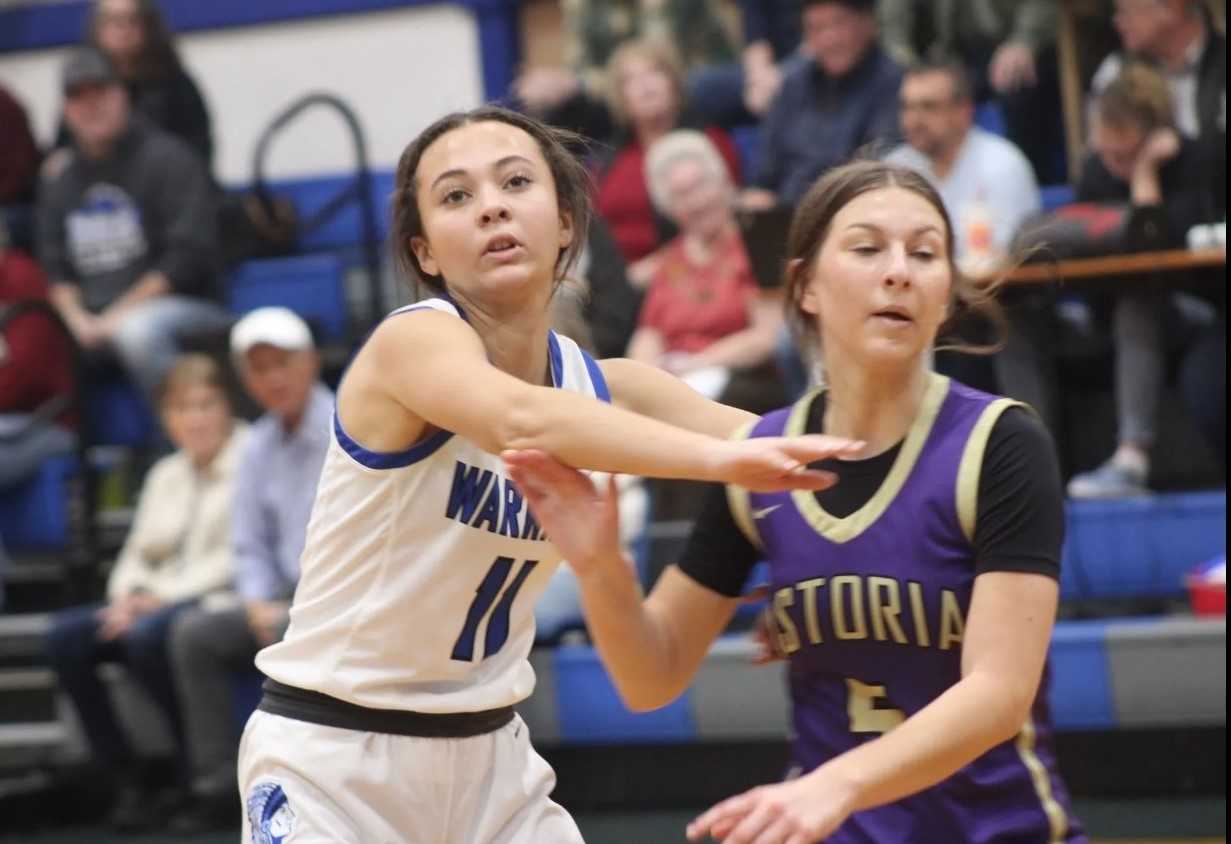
(771, 464)
(1012, 68)
(800, 811)
(579, 518)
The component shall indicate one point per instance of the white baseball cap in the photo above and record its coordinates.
(278, 327)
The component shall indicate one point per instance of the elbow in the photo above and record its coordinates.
(522, 422)
(645, 700)
(1014, 710)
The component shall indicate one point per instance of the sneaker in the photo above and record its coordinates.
(1111, 480)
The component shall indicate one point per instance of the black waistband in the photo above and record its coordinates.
(317, 708)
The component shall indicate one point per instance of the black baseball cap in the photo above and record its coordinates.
(85, 66)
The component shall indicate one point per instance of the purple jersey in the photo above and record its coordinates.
(871, 609)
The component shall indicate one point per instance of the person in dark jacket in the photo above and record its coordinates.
(126, 229)
(134, 36)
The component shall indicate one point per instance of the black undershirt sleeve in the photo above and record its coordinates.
(1020, 514)
(1019, 523)
(718, 554)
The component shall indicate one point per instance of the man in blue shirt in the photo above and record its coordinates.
(272, 349)
(841, 101)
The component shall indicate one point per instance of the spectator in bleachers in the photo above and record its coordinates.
(1009, 48)
(274, 489)
(176, 553)
(1139, 159)
(36, 374)
(647, 99)
(134, 35)
(740, 93)
(986, 182)
(126, 229)
(19, 154)
(704, 317)
(594, 29)
(1179, 37)
(843, 99)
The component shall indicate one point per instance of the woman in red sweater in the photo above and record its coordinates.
(646, 97)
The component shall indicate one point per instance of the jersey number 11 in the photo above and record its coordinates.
(484, 597)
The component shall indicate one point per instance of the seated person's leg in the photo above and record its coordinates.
(207, 647)
(1137, 326)
(148, 339)
(145, 649)
(1026, 366)
(75, 652)
(1203, 383)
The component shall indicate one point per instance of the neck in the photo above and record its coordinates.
(97, 150)
(1175, 49)
(876, 405)
(515, 338)
(290, 423)
(650, 130)
(943, 163)
(701, 245)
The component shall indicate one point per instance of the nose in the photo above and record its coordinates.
(897, 272)
(493, 208)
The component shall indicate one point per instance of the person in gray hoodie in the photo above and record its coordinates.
(126, 229)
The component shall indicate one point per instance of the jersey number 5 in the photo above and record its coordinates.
(861, 700)
(484, 597)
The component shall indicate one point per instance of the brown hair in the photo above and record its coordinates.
(191, 370)
(657, 52)
(573, 186)
(1139, 97)
(158, 58)
(959, 77)
(810, 228)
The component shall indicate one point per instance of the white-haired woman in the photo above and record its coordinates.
(704, 315)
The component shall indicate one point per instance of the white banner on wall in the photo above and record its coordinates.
(398, 70)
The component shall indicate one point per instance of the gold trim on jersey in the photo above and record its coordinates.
(845, 529)
(737, 497)
(971, 466)
(1057, 819)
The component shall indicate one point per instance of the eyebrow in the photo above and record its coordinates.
(457, 171)
(875, 228)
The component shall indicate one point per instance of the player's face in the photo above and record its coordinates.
(879, 288)
(491, 219)
(198, 421)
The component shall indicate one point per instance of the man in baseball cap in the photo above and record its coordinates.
(275, 487)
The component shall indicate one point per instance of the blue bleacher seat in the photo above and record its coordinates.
(1140, 547)
(34, 516)
(313, 286)
(117, 414)
(1055, 196)
(989, 117)
(747, 140)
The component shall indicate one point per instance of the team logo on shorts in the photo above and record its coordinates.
(269, 814)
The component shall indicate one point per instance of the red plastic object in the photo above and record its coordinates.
(1207, 598)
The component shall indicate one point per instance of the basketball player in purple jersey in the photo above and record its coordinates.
(914, 600)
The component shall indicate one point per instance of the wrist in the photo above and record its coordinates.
(843, 780)
(603, 571)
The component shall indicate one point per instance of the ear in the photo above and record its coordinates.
(423, 254)
(806, 298)
(566, 229)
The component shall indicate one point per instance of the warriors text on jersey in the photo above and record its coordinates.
(421, 571)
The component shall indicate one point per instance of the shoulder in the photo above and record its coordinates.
(886, 71)
(1001, 153)
(162, 149)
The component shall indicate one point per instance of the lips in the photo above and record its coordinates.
(500, 244)
(895, 314)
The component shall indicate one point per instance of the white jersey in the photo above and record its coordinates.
(421, 571)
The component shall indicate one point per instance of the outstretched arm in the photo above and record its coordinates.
(425, 370)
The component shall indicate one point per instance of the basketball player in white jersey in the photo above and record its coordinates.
(388, 712)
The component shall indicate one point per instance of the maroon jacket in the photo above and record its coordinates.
(35, 357)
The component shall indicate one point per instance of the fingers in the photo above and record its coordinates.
(809, 479)
(812, 447)
(721, 817)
